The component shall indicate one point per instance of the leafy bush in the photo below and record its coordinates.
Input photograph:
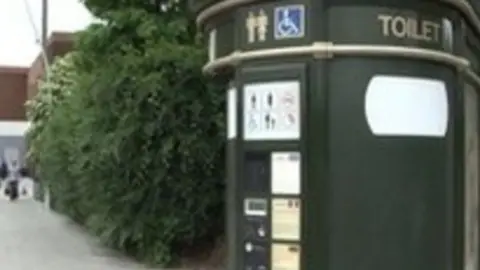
(52, 92)
(134, 150)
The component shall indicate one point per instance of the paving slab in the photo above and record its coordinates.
(35, 238)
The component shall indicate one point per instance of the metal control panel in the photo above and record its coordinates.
(271, 168)
(256, 234)
(271, 220)
(256, 211)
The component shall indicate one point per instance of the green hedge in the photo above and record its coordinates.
(133, 148)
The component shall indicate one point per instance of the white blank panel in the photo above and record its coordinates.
(406, 106)
(212, 45)
(231, 113)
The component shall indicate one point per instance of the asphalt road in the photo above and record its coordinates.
(34, 238)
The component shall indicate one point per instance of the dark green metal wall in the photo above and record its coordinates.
(387, 195)
(368, 202)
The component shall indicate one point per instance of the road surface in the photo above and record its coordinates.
(34, 238)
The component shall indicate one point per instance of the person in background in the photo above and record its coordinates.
(3, 175)
(24, 174)
(3, 170)
(12, 181)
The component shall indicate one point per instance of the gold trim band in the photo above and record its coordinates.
(470, 74)
(328, 49)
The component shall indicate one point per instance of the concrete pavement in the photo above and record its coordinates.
(34, 238)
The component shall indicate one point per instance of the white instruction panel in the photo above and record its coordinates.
(271, 111)
(285, 256)
(286, 219)
(232, 113)
(285, 173)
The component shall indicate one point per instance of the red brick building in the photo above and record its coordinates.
(17, 84)
(13, 93)
(58, 44)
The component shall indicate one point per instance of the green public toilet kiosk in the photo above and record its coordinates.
(352, 132)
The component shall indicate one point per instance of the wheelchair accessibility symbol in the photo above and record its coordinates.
(289, 22)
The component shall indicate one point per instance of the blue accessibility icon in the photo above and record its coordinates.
(289, 22)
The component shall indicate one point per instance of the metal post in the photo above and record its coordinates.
(45, 33)
(46, 63)
(41, 40)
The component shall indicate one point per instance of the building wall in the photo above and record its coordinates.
(34, 76)
(13, 85)
(17, 85)
(12, 137)
(58, 45)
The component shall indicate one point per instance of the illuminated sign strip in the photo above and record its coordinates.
(222, 6)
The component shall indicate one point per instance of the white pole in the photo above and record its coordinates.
(40, 39)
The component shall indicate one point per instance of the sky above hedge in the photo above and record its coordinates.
(17, 36)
